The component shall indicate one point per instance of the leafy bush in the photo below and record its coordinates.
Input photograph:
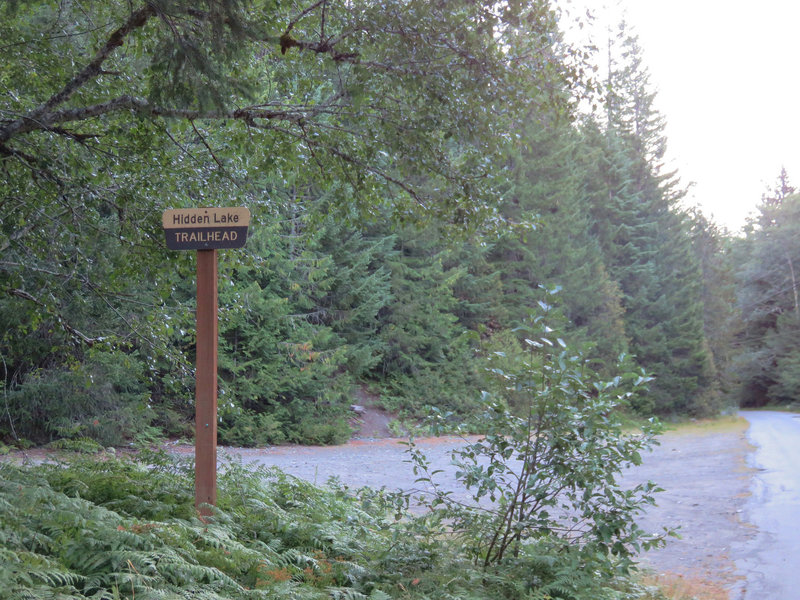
(548, 475)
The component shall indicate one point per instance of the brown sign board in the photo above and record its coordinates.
(205, 228)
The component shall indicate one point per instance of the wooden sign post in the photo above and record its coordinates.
(205, 377)
(206, 230)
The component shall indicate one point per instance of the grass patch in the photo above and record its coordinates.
(794, 407)
(722, 424)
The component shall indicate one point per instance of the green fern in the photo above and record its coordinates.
(346, 594)
(119, 531)
(83, 530)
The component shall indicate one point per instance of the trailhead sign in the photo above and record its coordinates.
(205, 228)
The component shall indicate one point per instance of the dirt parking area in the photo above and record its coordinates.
(707, 483)
(701, 468)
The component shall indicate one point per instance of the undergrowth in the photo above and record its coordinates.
(127, 528)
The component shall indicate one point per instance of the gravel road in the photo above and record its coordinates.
(769, 560)
(727, 490)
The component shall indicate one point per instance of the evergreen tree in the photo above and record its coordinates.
(558, 249)
(117, 110)
(645, 239)
(428, 357)
(714, 249)
(768, 292)
(300, 323)
(236, 95)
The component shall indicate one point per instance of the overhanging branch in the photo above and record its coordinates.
(39, 115)
(144, 107)
(76, 334)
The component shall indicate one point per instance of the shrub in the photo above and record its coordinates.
(103, 398)
(323, 432)
(122, 528)
(249, 429)
(547, 475)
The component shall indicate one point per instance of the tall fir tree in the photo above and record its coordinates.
(299, 324)
(429, 357)
(645, 238)
(768, 364)
(714, 249)
(558, 248)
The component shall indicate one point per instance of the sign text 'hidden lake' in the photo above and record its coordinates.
(205, 228)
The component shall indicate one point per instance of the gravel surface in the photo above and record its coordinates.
(769, 560)
(704, 475)
(706, 483)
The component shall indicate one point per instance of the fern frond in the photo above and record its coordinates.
(346, 594)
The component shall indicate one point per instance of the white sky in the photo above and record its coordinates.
(727, 75)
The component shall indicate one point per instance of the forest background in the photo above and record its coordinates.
(424, 178)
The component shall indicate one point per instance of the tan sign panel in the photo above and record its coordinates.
(205, 228)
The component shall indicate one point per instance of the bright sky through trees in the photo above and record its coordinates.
(725, 73)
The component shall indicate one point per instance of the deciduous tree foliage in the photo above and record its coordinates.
(113, 111)
(418, 178)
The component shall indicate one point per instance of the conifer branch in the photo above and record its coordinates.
(348, 158)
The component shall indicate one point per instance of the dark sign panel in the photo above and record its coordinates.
(205, 228)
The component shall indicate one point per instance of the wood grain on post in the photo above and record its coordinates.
(206, 383)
